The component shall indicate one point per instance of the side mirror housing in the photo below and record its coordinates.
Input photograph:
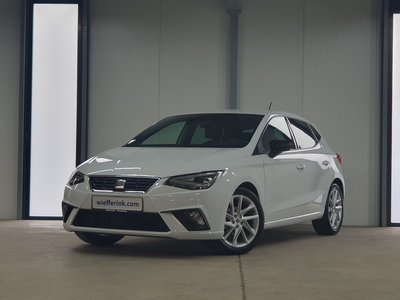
(278, 147)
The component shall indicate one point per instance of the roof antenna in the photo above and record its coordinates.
(270, 104)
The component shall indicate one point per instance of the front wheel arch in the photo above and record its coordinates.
(243, 224)
(249, 186)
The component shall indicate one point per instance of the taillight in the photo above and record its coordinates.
(339, 158)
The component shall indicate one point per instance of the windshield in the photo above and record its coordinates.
(228, 130)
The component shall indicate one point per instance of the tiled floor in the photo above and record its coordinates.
(39, 260)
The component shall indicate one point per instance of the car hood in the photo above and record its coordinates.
(158, 162)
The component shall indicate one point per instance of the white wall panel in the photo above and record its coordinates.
(341, 94)
(270, 55)
(53, 104)
(10, 16)
(194, 56)
(395, 154)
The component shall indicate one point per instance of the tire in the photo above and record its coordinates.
(331, 221)
(99, 239)
(244, 224)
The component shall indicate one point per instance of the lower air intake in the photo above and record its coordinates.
(117, 220)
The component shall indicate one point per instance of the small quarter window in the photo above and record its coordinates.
(303, 134)
(316, 133)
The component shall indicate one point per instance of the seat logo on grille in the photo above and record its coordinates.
(120, 184)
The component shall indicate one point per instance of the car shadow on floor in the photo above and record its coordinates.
(149, 247)
(164, 247)
(286, 234)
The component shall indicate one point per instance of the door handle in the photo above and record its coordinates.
(300, 167)
(325, 163)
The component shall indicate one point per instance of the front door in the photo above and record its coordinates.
(283, 172)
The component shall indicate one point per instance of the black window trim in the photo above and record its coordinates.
(315, 132)
(316, 140)
(257, 150)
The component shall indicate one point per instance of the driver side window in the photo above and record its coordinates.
(277, 131)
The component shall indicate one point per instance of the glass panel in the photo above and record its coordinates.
(199, 130)
(166, 136)
(316, 133)
(303, 134)
(277, 130)
(54, 105)
(395, 195)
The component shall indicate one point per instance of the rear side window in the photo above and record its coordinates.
(316, 133)
(304, 136)
(277, 130)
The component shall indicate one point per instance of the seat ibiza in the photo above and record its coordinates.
(219, 177)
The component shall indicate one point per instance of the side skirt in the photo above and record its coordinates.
(293, 220)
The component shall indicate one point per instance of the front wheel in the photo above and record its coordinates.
(331, 221)
(244, 223)
(99, 239)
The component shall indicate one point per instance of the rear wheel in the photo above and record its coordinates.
(331, 221)
(99, 239)
(244, 223)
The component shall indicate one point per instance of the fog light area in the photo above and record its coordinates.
(192, 219)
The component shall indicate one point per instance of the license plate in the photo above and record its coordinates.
(117, 203)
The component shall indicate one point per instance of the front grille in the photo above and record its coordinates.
(117, 220)
(132, 184)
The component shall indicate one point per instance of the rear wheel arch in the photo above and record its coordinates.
(340, 184)
(332, 219)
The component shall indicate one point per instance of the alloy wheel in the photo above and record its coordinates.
(242, 222)
(335, 208)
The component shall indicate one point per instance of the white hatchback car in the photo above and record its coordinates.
(220, 177)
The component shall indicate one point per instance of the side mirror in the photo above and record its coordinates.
(278, 147)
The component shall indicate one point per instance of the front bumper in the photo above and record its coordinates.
(167, 212)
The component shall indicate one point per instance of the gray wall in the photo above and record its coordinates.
(10, 19)
(152, 58)
(321, 59)
(316, 58)
(341, 94)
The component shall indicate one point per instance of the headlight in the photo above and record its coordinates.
(198, 181)
(76, 177)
